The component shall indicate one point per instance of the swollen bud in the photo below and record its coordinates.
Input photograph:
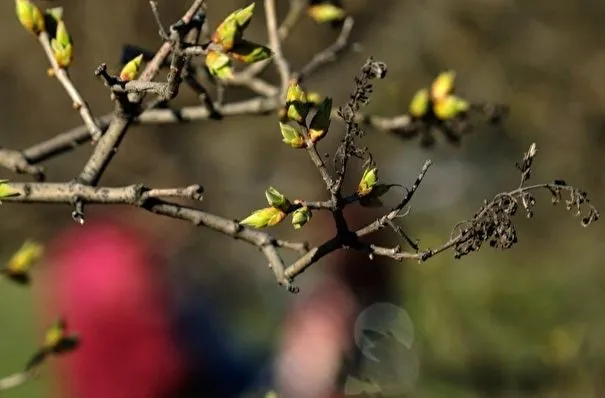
(56, 13)
(368, 181)
(56, 341)
(219, 65)
(420, 103)
(321, 121)
(443, 85)
(291, 136)
(277, 199)
(296, 103)
(268, 216)
(30, 16)
(132, 68)
(300, 217)
(6, 191)
(19, 266)
(326, 12)
(229, 32)
(62, 46)
(449, 107)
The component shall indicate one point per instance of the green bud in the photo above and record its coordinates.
(295, 93)
(21, 262)
(62, 46)
(449, 107)
(131, 70)
(249, 52)
(230, 31)
(326, 12)
(301, 216)
(314, 97)
(321, 121)
(277, 199)
(30, 16)
(443, 85)
(291, 136)
(268, 216)
(420, 103)
(6, 191)
(368, 181)
(219, 65)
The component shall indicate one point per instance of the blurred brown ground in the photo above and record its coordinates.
(527, 322)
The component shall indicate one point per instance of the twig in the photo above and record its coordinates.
(149, 199)
(63, 77)
(275, 43)
(15, 380)
(329, 54)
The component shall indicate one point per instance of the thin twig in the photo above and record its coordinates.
(275, 43)
(63, 77)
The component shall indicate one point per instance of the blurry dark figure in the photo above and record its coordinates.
(317, 350)
(141, 336)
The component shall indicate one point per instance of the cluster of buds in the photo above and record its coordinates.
(20, 264)
(35, 22)
(229, 45)
(439, 99)
(297, 108)
(279, 208)
(326, 11)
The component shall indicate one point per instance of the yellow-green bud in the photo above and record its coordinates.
(19, 265)
(443, 85)
(6, 191)
(301, 216)
(268, 216)
(368, 181)
(131, 70)
(326, 12)
(449, 107)
(30, 16)
(420, 103)
(249, 52)
(291, 136)
(277, 199)
(219, 65)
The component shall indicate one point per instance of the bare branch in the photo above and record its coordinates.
(275, 44)
(62, 76)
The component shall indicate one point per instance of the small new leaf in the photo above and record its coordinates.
(300, 217)
(131, 70)
(368, 181)
(219, 65)
(30, 16)
(449, 107)
(321, 121)
(326, 12)
(19, 265)
(314, 97)
(277, 199)
(420, 103)
(248, 52)
(291, 136)
(443, 85)
(268, 216)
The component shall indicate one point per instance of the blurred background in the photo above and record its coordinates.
(528, 322)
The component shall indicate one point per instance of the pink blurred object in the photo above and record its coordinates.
(316, 336)
(104, 277)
